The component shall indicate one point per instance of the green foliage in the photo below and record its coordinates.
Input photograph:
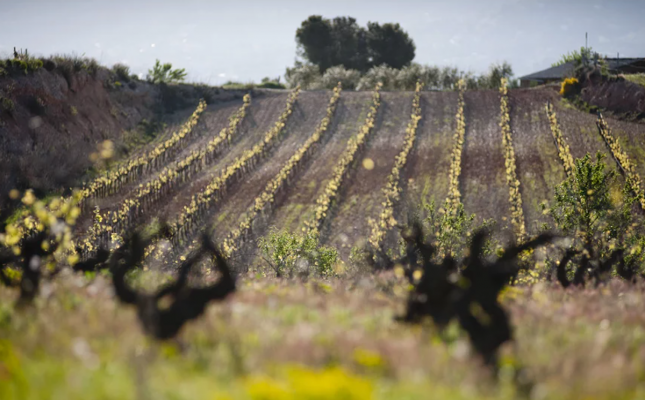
(582, 202)
(408, 76)
(288, 253)
(432, 77)
(384, 74)
(163, 73)
(347, 77)
(268, 83)
(70, 64)
(232, 85)
(341, 41)
(636, 78)
(7, 104)
(389, 44)
(575, 56)
(585, 209)
(122, 71)
(584, 60)
(306, 75)
(496, 73)
(451, 232)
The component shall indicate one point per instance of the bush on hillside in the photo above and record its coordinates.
(408, 77)
(349, 78)
(290, 254)
(569, 87)
(163, 73)
(305, 75)
(122, 71)
(384, 74)
(268, 83)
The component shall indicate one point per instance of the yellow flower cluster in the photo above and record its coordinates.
(240, 165)
(623, 161)
(113, 180)
(267, 197)
(454, 196)
(391, 191)
(155, 189)
(567, 86)
(342, 167)
(515, 198)
(563, 148)
(303, 383)
(57, 217)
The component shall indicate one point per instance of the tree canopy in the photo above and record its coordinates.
(341, 41)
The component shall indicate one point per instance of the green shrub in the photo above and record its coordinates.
(598, 219)
(384, 74)
(231, 85)
(163, 73)
(349, 78)
(122, 71)
(268, 83)
(288, 253)
(450, 232)
(7, 104)
(636, 78)
(307, 76)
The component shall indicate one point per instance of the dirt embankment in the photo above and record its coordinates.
(621, 97)
(51, 120)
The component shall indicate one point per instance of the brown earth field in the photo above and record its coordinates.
(424, 179)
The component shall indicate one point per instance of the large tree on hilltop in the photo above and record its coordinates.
(315, 41)
(389, 44)
(341, 41)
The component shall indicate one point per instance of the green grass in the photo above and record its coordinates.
(277, 339)
(636, 78)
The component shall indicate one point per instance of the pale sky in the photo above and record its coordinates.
(247, 40)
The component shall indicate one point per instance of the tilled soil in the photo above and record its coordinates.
(483, 185)
(538, 165)
(308, 112)
(424, 179)
(360, 197)
(262, 115)
(294, 207)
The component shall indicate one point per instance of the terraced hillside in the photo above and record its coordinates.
(288, 147)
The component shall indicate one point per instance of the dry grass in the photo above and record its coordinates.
(79, 342)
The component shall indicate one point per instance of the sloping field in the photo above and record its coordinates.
(424, 178)
(483, 183)
(361, 197)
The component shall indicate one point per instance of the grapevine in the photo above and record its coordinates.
(563, 148)
(517, 214)
(624, 163)
(169, 178)
(200, 202)
(454, 195)
(323, 203)
(392, 190)
(267, 197)
(112, 181)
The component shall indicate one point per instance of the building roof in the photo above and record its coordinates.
(566, 69)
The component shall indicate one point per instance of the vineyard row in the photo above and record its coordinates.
(392, 190)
